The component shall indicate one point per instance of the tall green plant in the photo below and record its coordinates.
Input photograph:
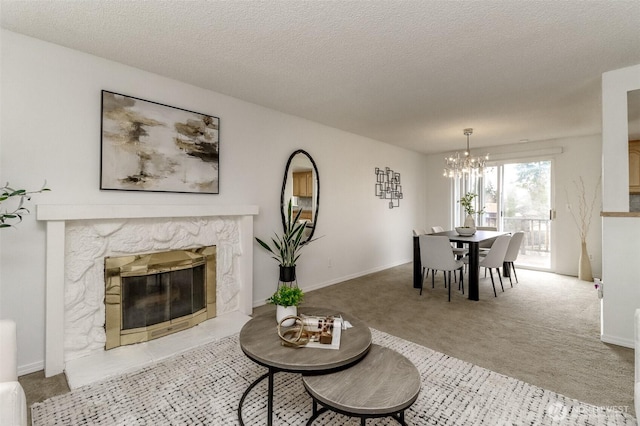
(13, 216)
(286, 247)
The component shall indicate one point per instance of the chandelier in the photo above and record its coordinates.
(460, 165)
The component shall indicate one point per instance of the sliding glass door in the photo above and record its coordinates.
(517, 196)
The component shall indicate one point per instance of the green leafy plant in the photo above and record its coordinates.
(13, 215)
(286, 247)
(467, 204)
(287, 296)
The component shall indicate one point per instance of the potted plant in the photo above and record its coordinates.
(467, 204)
(286, 247)
(582, 218)
(286, 251)
(286, 298)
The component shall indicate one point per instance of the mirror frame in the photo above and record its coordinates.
(283, 207)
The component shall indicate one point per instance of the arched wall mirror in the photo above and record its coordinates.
(301, 185)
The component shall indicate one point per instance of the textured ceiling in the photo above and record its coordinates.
(410, 73)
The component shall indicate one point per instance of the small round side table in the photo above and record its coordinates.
(383, 384)
(260, 342)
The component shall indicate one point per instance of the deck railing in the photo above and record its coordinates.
(537, 232)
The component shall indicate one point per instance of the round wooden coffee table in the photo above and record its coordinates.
(260, 342)
(383, 384)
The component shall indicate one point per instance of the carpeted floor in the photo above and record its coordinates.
(544, 331)
(204, 385)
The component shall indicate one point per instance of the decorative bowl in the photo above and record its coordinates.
(465, 231)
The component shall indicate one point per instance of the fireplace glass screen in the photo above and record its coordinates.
(151, 295)
(152, 299)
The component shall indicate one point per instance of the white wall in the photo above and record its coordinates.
(621, 242)
(580, 157)
(1, 183)
(51, 130)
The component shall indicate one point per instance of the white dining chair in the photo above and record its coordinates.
(512, 254)
(458, 251)
(495, 259)
(436, 254)
(485, 246)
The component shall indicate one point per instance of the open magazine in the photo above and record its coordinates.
(324, 332)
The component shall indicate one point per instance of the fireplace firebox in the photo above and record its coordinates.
(152, 295)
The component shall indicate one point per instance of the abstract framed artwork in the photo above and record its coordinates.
(147, 146)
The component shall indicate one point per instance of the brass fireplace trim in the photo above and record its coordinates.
(149, 264)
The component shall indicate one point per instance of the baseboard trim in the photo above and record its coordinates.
(318, 286)
(30, 368)
(627, 343)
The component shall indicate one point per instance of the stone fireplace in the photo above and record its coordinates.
(79, 237)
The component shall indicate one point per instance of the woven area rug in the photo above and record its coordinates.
(203, 387)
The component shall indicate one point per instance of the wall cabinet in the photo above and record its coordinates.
(303, 184)
(305, 215)
(634, 167)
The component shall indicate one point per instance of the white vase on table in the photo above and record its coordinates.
(285, 311)
(469, 222)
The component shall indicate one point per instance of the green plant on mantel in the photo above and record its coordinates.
(12, 216)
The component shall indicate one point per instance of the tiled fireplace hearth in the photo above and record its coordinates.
(79, 237)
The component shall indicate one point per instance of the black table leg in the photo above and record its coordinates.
(270, 398)
(417, 264)
(474, 271)
(268, 375)
(317, 412)
(506, 270)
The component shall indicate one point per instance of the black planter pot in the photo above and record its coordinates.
(287, 274)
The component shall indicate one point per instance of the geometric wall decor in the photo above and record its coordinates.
(388, 186)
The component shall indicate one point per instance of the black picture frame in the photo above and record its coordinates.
(149, 146)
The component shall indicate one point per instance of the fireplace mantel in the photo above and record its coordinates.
(60, 212)
(56, 217)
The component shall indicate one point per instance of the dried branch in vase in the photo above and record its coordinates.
(582, 217)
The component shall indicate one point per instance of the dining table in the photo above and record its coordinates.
(473, 244)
